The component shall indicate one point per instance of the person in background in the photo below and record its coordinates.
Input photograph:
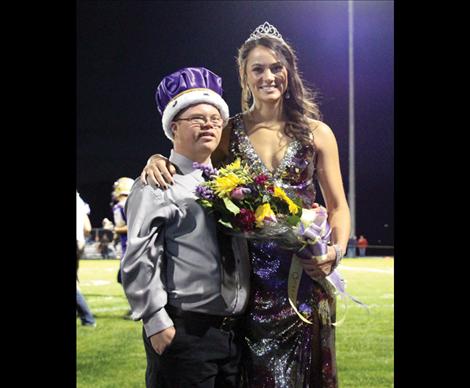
(121, 190)
(103, 246)
(352, 243)
(83, 231)
(362, 244)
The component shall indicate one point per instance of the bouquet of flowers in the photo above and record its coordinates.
(247, 203)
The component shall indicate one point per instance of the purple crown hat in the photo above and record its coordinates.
(186, 87)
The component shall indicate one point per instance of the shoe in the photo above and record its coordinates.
(88, 324)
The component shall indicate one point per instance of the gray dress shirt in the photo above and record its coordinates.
(173, 256)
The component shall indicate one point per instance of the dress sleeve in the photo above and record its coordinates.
(143, 265)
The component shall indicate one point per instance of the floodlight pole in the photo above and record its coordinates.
(352, 176)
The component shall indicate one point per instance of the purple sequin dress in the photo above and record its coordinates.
(282, 351)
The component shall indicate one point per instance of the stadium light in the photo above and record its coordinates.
(352, 176)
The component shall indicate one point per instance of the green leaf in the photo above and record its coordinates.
(231, 206)
(293, 220)
(226, 224)
(205, 203)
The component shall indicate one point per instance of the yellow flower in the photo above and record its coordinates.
(225, 184)
(264, 211)
(234, 165)
(279, 193)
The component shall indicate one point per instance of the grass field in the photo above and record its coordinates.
(112, 354)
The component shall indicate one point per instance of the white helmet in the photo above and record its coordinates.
(122, 187)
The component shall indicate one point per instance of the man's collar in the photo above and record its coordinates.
(183, 163)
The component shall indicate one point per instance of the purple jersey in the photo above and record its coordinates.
(120, 220)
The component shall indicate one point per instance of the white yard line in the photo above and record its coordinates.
(371, 306)
(95, 283)
(344, 267)
(91, 269)
(105, 309)
(101, 298)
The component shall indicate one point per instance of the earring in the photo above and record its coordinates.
(287, 95)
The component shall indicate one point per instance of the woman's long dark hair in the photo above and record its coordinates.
(300, 106)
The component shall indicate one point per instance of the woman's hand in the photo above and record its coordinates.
(316, 269)
(160, 170)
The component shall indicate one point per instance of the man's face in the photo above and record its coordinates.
(197, 131)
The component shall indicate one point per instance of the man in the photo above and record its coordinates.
(362, 244)
(121, 189)
(83, 230)
(352, 243)
(189, 294)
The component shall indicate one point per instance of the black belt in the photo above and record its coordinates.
(226, 323)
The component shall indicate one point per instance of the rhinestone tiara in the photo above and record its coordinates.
(265, 29)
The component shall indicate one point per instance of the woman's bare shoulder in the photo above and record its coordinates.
(321, 132)
(317, 126)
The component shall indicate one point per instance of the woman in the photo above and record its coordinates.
(280, 132)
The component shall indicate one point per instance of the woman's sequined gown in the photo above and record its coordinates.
(283, 351)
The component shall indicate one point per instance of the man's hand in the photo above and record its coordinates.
(160, 170)
(161, 340)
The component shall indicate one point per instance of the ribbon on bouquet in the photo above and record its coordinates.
(335, 279)
(315, 231)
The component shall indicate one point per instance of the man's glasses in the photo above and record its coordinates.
(216, 121)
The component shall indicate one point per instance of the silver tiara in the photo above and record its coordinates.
(265, 29)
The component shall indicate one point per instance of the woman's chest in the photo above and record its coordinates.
(270, 147)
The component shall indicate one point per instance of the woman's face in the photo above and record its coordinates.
(265, 75)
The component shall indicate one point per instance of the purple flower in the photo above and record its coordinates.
(204, 192)
(207, 170)
(240, 193)
(305, 308)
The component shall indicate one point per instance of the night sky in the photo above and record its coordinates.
(124, 49)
